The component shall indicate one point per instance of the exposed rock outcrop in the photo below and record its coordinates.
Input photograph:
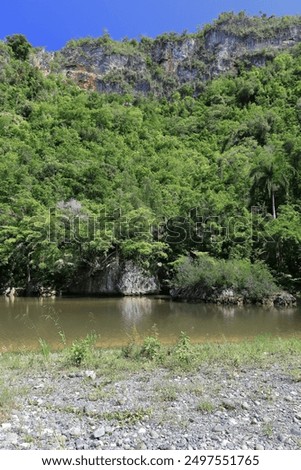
(229, 296)
(116, 278)
(167, 63)
(112, 278)
(12, 292)
(47, 292)
(135, 281)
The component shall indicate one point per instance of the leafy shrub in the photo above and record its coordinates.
(151, 347)
(81, 350)
(182, 353)
(252, 279)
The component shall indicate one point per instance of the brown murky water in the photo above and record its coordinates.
(23, 321)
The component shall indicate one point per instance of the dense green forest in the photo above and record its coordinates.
(85, 176)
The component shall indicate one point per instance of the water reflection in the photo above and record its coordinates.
(24, 321)
(134, 310)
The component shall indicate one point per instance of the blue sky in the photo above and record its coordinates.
(51, 23)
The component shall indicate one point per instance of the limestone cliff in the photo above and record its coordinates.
(115, 278)
(172, 62)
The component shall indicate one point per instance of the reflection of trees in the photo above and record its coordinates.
(134, 309)
(226, 311)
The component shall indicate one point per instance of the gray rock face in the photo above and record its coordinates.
(229, 45)
(283, 299)
(119, 67)
(171, 54)
(134, 281)
(99, 60)
(115, 278)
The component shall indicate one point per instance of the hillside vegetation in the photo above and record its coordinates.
(85, 176)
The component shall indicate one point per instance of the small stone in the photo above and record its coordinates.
(94, 444)
(298, 415)
(154, 435)
(228, 405)
(6, 426)
(233, 422)
(296, 431)
(218, 428)
(164, 447)
(245, 406)
(12, 438)
(25, 445)
(47, 432)
(142, 431)
(259, 447)
(75, 432)
(98, 433)
(90, 374)
(141, 446)
(288, 398)
(79, 444)
(36, 387)
(89, 409)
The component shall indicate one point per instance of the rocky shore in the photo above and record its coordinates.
(214, 407)
(197, 293)
(148, 286)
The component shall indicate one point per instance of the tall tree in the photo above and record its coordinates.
(19, 46)
(270, 177)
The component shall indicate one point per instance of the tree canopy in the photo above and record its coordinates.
(87, 175)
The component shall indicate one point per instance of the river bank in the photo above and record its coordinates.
(194, 294)
(197, 293)
(210, 396)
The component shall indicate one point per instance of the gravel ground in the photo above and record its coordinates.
(213, 408)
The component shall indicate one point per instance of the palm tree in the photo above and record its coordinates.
(270, 176)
